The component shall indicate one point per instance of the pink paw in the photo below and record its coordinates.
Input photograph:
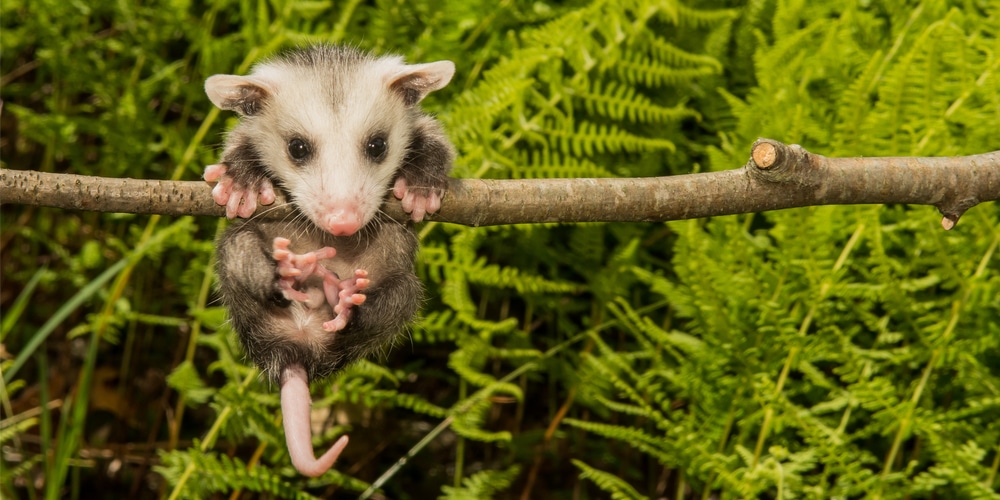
(341, 295)
(417, 201)
(294, 269)
(239, 199)
(348, 297)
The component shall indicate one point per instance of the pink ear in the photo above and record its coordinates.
(244, 94)
(415, 81)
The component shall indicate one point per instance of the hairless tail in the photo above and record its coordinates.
(295, 407)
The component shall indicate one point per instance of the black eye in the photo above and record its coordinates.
(298, 149)
(375, 149)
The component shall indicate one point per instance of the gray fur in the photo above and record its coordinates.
(269, 326)
(263, 317)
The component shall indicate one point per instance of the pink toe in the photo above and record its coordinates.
(214, 172)
(233, 206)
(266, 192)
(433, 202)
(248, 207)
(221, 192)
(335, 325)
(399, 189)
(418, 212)
(408, 201)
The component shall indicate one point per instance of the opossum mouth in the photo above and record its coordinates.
(296, 406)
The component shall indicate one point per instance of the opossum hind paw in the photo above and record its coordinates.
(348, 296)
(294, 269)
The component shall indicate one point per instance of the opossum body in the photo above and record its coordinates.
(336, 130)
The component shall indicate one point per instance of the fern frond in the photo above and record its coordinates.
(436, 326)
(476, 269)
(7, 432)
(548, 164)
(590, 138)
(610, 483)
(668, 53)
(964, 469)
(659, 448)
(469, 359)
(702, 18)
(418, 404)
(623, 102)
(482, 485)
(218, 473)
(468, 423)
(640, 69)
(251, 414)
(186, 380)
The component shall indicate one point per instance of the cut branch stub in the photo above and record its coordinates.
(765, 153)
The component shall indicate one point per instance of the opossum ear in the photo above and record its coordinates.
(415, 81)
(242, 94)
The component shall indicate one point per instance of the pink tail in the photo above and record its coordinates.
(295, 406)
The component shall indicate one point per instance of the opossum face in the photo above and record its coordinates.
(332, 126)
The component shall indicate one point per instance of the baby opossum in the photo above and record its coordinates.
(336, 130)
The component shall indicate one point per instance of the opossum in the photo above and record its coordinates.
(336, 130)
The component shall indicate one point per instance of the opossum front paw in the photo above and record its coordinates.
(417, 201)
(348, 297)
(239, 198)
(294, 269)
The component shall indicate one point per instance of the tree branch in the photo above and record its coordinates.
(777, 176)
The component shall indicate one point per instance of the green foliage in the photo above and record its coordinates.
(819, 352)
(219, 473)
(482, 485)
(619, 489)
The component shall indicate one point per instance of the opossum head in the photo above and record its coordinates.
(331, 125)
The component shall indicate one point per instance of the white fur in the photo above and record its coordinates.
(336, 109)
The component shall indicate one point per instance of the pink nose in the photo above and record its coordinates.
(341, 222)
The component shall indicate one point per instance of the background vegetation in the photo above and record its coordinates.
(823, 352)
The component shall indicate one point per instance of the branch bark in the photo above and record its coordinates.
(777, 176)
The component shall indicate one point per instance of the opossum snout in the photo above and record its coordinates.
(341, 221)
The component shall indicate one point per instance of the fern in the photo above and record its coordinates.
(9, 431)
(622, 103)
(821, 352)
(482, 485)
(619, 490)
(220, 473)
(469, 422)
(185, 380)
(590, 138)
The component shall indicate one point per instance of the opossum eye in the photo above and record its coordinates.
(375, 149)
(298, 149)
